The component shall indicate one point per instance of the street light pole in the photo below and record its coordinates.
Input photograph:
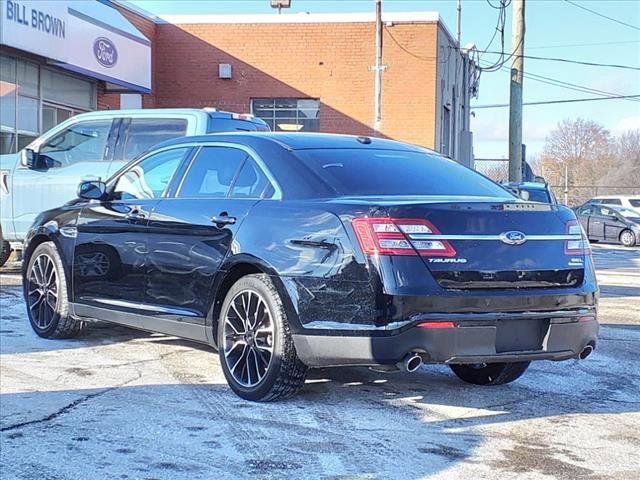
(515, 93)
(377, 82)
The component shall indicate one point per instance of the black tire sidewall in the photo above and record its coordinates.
(62, 306)
(257, 284)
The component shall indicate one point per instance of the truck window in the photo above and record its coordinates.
(144, 133)
(82, 141)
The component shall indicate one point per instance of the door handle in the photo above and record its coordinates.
(223, 219)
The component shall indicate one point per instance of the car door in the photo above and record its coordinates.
(110, 256)
(73, 154)
(584, 214)
(596, 223)
(193, 230)
(613, 225)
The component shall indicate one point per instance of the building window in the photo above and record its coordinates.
(34, 99)
(288, 114)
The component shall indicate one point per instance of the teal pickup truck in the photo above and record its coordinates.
(91, 146)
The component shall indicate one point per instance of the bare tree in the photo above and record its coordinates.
(583, 149)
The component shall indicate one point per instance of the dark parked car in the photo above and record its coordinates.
(532, 191)
(290, 251)
(608, 223)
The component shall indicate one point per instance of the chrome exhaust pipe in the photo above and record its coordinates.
(586, 352)
(410, 363)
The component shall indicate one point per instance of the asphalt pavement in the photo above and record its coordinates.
(122, 404)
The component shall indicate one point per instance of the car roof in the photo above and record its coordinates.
(298, 141)
(211, 112)
(622, 197)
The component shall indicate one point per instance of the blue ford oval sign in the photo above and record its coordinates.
(513, 237)
(105, 52)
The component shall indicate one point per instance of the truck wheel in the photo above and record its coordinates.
(5, 252)
(490, 373)
(45, 293)
(256, 349)
(627, 238)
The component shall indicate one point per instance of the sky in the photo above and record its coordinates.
(554, 28)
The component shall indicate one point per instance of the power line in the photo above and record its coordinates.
(567, 45)
(602, 15)
(569, 86)
(565, 60)
(550, 102)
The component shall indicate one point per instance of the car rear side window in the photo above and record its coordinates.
(212, 172)
(144, 133)
(635, 202)
(149, 177)
(367, 171)
(252, 182)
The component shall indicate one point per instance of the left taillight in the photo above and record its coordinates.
(578, 245)
(400, 236)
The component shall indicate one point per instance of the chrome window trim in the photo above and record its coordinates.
(277, 191)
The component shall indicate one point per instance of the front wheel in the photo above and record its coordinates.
(490, 373)
(628, 238)
(5, 252)
(256, 349)
(45, 293)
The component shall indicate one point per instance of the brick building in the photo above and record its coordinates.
(308, 72)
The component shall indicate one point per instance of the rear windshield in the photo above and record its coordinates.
(366, 171)
(537, 195)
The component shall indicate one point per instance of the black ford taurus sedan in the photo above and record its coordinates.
(291, 251)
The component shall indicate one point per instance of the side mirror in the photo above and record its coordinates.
(29, 158)
(92, 190)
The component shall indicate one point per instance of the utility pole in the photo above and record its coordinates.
(459, 18)
(566, 184)
(377, 83)
(515, 92)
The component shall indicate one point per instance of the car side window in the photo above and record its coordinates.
(585, 211)
(252, 182)
(82, 141)
(144, 133)
(150, 177)
(607, 212)
(212, 172)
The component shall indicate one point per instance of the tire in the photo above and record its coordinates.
(490, 373)
(5, 252)
(265, 341)
(628, 238)
(46, 296)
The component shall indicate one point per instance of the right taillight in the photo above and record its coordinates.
(578, 245)
(400, 236)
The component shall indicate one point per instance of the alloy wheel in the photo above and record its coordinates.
(627, 238)
(43, 288)
(248, 338)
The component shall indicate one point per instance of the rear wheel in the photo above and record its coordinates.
(45, 293)
(628, 238)
(256, 349)
(490, 373)
(5, 252)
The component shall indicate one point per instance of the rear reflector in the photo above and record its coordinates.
(436, 325)
(393, 236)
(579, 246)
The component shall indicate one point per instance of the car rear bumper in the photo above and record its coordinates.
(472, 339)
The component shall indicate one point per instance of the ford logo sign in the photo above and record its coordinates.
(513, 237)
(105, 52)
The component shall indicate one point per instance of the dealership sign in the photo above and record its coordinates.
(87, 37)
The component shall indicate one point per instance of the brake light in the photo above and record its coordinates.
(400, 236)
(436, 325)
(241, 116)
(578, 246)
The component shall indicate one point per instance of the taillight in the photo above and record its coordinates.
(577, 246)
(399, 236)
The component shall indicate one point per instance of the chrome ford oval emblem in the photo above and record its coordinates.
(105, 52)
(513, 237)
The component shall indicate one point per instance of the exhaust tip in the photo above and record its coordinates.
(410, 363)
(585, 352)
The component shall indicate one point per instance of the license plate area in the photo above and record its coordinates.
(520, 335)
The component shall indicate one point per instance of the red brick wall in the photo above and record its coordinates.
(328, 61)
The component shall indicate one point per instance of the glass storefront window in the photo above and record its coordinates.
(34, 98)
(67, 90)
